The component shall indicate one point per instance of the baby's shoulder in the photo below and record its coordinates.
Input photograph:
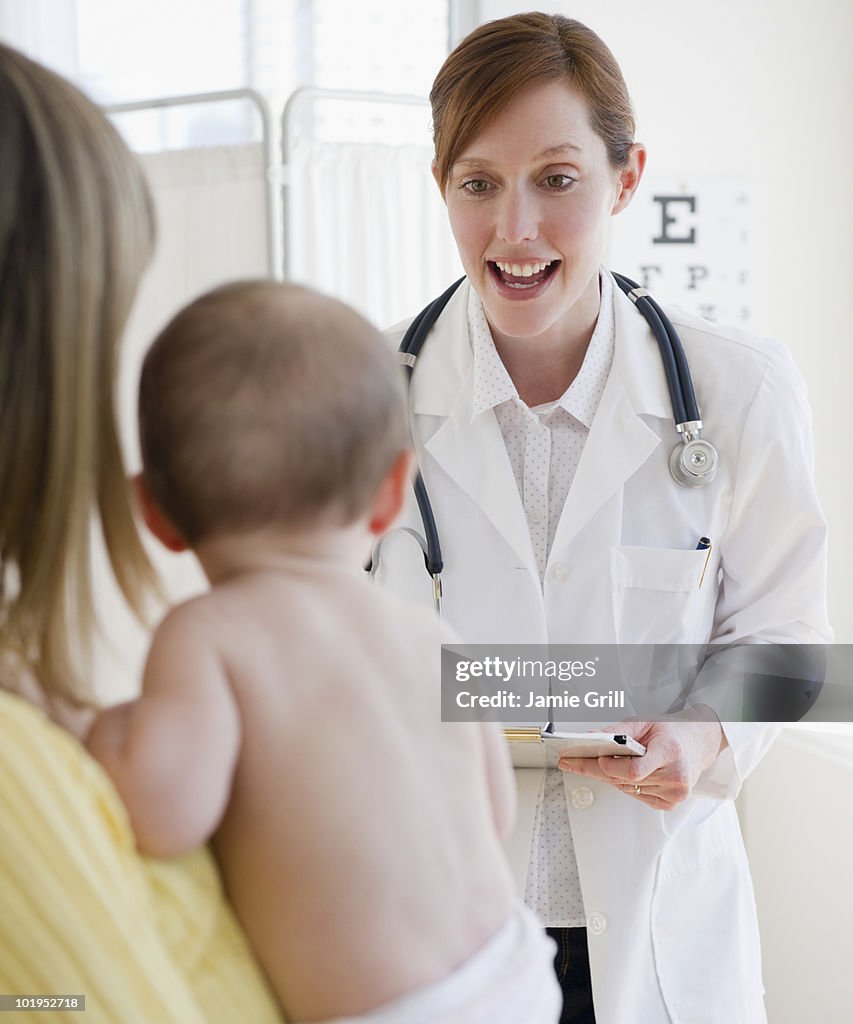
(198, 620)
(419, 637)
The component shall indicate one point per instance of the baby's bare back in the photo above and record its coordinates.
(359, 847)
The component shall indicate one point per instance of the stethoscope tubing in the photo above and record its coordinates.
(678, 378)
(413, 341)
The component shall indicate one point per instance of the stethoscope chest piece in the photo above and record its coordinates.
(693, 463)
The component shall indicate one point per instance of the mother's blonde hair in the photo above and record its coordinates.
(76, 231)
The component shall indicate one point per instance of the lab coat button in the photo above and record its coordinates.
(596, 923)
(582, 797)
(558, 572)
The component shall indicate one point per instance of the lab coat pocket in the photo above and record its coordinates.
(659, 593)
(705, 928)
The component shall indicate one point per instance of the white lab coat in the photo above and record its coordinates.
(670, 911)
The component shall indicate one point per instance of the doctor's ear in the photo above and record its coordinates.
(391, 494)
(434, 168)
(155, 520)
(629, 177)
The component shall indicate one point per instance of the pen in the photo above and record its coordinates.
(704, 545)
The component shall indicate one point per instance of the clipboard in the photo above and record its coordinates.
(539, 747)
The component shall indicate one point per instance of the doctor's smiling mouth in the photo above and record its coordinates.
(522, 280)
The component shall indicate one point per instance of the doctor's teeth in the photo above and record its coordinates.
(522, 269)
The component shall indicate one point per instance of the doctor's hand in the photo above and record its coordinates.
(678, 749)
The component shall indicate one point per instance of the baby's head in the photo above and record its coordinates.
(268, 406)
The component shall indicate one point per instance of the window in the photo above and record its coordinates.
(135, 49)
(123, 51)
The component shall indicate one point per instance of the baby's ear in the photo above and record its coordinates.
(154, 518)
(391, 494)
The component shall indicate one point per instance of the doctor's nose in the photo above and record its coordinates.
(518, 217)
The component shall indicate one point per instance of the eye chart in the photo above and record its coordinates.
(689, 242)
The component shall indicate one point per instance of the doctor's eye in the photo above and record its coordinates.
(559, 182)
(475, 186)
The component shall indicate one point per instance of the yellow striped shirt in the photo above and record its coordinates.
(82, 913)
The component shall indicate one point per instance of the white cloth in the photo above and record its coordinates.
(544, 445)
(510, 980)
(671, 920)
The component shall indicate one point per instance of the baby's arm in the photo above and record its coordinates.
(499, 773)
(501, 778)
(171, 754)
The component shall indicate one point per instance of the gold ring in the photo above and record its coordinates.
(637, 790)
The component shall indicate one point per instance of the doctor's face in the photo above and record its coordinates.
(529, 202)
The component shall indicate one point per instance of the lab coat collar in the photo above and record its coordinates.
(619, 440)
(446, 361)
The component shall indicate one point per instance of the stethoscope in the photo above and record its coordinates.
(692, 463)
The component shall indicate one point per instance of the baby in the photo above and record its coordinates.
(292, 713)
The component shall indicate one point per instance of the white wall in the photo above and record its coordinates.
(797, 816)
(761, 89)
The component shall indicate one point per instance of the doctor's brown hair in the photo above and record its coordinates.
(503, 58)
(76, 231)
(267, 405)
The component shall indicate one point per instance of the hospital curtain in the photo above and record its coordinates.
(367, 224)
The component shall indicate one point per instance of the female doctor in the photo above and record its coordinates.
(543, 427)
